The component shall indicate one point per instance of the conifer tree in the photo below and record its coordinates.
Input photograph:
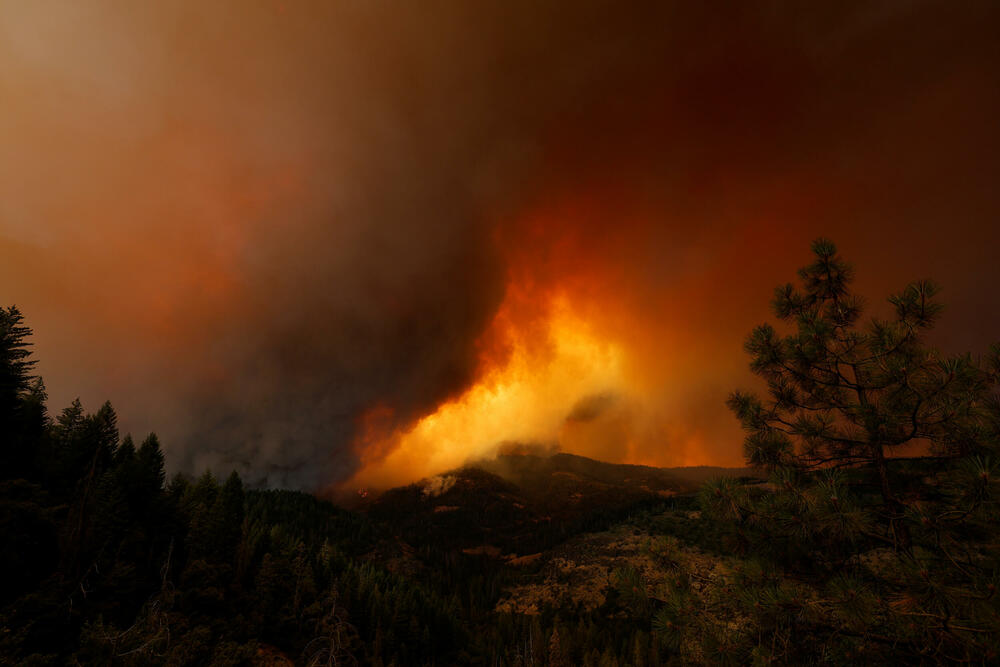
(229, 512)
(15, 365)
(16, 383)
(884, 472)
(556, 656)
(150, 458)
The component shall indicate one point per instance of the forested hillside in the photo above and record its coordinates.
(104, 561)
(868, 534)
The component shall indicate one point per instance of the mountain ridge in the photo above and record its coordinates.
(519, 504)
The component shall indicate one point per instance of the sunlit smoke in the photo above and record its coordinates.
(552, 376)
(526, 396)
(316, 240)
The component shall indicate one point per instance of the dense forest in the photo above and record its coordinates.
(868, 536)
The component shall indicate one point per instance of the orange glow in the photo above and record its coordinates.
(524, 399)
(576, 359)
(316, 240)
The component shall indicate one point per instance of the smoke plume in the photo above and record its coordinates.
(286, 233)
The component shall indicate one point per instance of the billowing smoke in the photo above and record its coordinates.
(253, 225)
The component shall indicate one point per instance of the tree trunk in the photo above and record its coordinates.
(898, 529)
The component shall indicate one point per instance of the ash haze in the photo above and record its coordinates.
(253, 226)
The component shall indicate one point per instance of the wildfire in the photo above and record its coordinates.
(581, 356)
(536, 372)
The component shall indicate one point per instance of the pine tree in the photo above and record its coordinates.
(556, 656)
(16, 385)
(70, 421)
(15, 365)
(884, 470)
(31, 440)
(149, 460)
(198, 501)
(336, 639)
(228, 517)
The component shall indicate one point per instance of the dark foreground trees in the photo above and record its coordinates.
(884, 482)
(875, 540)
(103, 563)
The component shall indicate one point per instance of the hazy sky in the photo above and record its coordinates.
(281, 233)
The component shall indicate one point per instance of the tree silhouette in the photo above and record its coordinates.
(16, 385)
(877, 444)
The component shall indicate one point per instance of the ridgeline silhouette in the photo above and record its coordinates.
(873, 540)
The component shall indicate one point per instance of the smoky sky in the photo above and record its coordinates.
(248, 223)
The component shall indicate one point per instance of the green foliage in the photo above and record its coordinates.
(882, 495)
(22, 397)
(105, 563)
(15, 364)
(870, 537)
(631, 589)
(102, 564)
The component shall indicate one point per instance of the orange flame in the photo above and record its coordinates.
(526, 398)
(582, 356)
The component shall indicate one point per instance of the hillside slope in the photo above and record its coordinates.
(519, 504)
